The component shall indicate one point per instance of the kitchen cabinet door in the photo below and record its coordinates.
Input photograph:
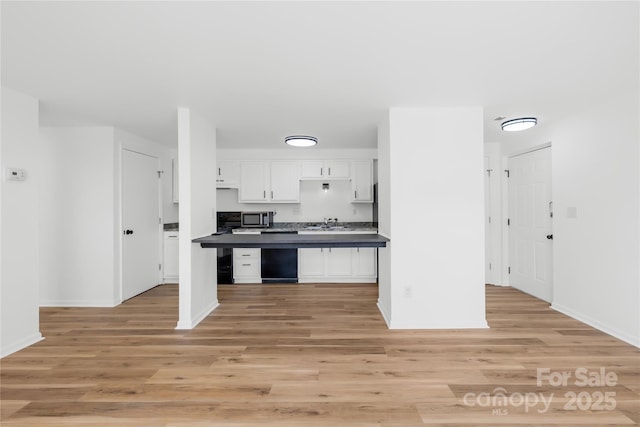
(311, 169)
(364, 262)
(338, 262)
(310, 263)
(362, 181)
(336, 169)
(228, 174)
(324, 169)
(170, 257)
(254, 179)
(285, 181)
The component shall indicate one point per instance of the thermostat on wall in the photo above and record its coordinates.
(15, 174)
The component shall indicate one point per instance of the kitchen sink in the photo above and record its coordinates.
(323, 228)
(314, 227)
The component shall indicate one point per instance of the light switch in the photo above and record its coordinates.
(15, 174)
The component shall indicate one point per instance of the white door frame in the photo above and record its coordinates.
(119, 228)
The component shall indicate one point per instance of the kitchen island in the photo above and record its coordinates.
(286, 241)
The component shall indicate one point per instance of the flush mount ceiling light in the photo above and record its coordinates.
(519, 124)
(301, 141)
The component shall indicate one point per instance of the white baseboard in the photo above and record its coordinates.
(384, 314)
(616, 333)
(19, 345)
(79, 303)
(192, 323)
(335, 280)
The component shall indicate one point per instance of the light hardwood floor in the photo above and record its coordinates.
(312, 355)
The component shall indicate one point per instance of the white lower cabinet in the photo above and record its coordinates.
(247, 265)
(170, 268)
(338, 262)
(364, 263)
(337, 265)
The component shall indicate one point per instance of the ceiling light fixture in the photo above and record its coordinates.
(301, 141)
(519, 124)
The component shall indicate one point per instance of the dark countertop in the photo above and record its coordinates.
(338, 240)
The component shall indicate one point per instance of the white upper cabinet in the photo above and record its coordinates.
(362, 181)
(254, 180)
(285, 181)
(324, 169)
(228, 174)
(276, 181)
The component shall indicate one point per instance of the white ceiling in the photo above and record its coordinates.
(263, 70)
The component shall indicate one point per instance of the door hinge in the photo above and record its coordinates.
(489, 266)
(489, 219)
(508, 270)
(508, 174)
(508, 221)
(159, 266)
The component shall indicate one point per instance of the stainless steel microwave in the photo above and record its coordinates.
(256, 219)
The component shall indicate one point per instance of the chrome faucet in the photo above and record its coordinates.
(328, 221)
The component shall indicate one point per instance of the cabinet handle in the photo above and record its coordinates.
(246, 265)
(264, 194)
(219, 173)
(272, 194)
(355, 194)
(172, 237)
(320, 171)
(246, 254)
(329, 171)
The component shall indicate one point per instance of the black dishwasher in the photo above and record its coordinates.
(279, 265)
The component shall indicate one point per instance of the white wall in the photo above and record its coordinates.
(197, 157)
(596, 255)
(77, 217)
(435, 170)
(595, 170)
(384, 219)
(19, 315)
(80, 214)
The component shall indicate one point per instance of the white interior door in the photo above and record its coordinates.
(140, 220)
(530, 232)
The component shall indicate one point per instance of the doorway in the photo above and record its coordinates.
(530, 223)
(141, 253)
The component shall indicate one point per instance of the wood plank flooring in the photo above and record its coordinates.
(313, 355)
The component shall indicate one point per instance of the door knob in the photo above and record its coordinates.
(550, 236)
(127, 232)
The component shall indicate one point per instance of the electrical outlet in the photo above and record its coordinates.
(408, 291)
